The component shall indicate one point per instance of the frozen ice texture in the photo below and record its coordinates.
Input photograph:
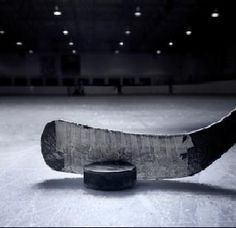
(34, 195)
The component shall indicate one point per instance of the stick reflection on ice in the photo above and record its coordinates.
(68, 147)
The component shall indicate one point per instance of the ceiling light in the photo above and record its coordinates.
(188, 32)
(215, 13)
(71, 43)
(74, 51)
(137, 12)
(19, 43)
(158, 52)
(171, 43)
(127, 32)
(65, 32)
(31, 52)
(121, 43)
(2, 32)
(117, 51)
(57, 12)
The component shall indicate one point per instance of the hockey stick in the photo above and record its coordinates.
(68, 147)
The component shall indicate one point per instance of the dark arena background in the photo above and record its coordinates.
(137, 66)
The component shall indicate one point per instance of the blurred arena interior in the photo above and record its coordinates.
(116, 47)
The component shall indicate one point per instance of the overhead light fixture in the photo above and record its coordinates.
(57, 12)
(188, 32)
(121, 43)
(158, 52)
(137, 12)
(117, 51)
(71, 43)
(74, 51)
(19, 43)
(171, 43)
(215, 13)
(65, 32)
(2, 32)
(127, 32)
(31, 51)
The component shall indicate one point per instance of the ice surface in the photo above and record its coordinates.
(33, 195)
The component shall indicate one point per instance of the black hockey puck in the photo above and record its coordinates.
(110, 175)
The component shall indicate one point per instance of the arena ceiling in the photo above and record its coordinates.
(100, 25)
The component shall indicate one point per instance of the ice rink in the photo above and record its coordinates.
(34, 195)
